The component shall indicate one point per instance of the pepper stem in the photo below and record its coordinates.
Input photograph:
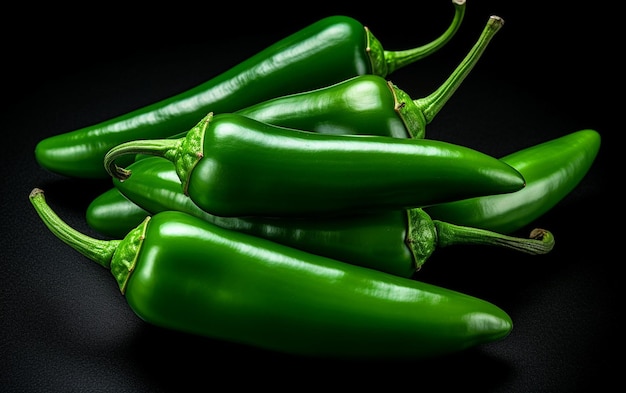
(417, 114)
(540, 241)
(99, 251)
(184, 151)
(398, 59)
(432, 104)
(155, 147)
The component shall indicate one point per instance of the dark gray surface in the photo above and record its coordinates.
(65, 326)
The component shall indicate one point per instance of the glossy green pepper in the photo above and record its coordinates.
(232, 165)
(368, 104)
(113, 215)
(394, 241)
(329, 51)
(552, 170)
(180, 272)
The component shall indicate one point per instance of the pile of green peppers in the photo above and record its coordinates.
(295, 216)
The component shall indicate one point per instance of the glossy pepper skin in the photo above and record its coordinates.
(114, 215)
(232, 165)
(368, 104)
(331, 50)
(552, 170)
(394, 241)
(179, 272)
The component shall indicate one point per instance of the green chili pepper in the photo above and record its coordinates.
(232, 165)
(394, 241)
(329, 51)
(182, 273)
(552, 170)
(114, 215)
(366, 104)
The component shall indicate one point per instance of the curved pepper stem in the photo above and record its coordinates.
(416, 114)
(425, 235)
(393, 60)
(433, 103)
(118, 256)
(540, 241)
(155, 147)
(99, 251)
(184, 152)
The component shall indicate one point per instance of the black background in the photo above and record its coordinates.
(548, 72)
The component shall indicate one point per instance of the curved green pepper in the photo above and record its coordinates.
(232, 165)
(366, 104)
(552, 170)
(331, 50)
(394, 241)
(114, 215)
(179, 272)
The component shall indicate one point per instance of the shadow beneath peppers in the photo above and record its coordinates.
(495, 275)
(175, 361)
(507, 277)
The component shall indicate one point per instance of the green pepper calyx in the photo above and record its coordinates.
(424, 235)
(421, 236)
(190, 152)
(125, 256)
